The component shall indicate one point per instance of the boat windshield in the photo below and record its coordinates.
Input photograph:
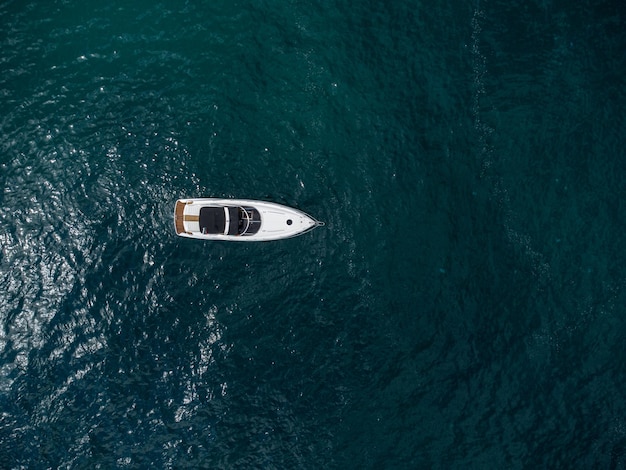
(249, 221)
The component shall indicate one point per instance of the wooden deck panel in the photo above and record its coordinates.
(178, 217)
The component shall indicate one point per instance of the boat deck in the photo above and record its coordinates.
(178, 217)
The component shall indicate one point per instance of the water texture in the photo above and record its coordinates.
(463, 307)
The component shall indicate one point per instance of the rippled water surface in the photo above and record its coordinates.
(463, 307)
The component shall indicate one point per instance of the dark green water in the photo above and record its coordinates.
(463, 307)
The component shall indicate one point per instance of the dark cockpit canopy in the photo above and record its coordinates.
(213, 220)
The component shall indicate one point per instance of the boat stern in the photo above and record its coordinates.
(179, 217)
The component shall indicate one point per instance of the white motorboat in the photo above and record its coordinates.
(239, 220)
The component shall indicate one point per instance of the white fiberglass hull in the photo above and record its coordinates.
(243, 220)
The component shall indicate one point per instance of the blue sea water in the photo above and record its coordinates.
(463, 307)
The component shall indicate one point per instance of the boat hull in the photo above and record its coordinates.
(274, 221)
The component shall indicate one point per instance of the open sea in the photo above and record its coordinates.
(464, 307)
